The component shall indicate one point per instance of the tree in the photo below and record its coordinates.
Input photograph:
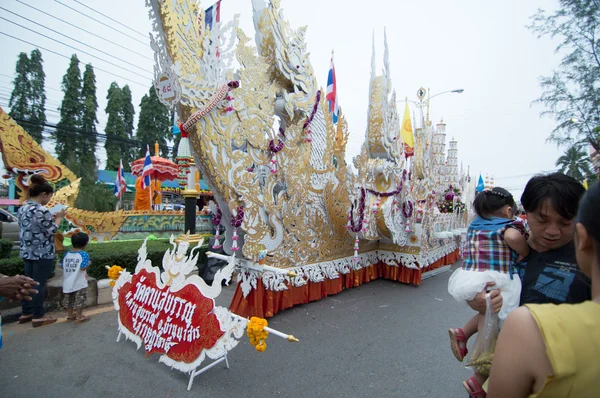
(115, 128)
(572, 90)
(71, 111)
(37, 95)
(127, 113)
(87, 144)
(575, 163)
(154, 123)
(19, 98)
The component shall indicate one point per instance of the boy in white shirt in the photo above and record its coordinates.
(75, 283)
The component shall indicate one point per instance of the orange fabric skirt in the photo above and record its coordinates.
(266, 303)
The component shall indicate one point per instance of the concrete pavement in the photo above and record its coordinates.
(382, 339)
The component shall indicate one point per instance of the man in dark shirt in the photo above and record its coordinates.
(549, 274)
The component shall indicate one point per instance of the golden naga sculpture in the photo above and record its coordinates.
(265, 141)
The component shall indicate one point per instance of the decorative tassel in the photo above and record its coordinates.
(274, 164)
(308, 136)
(407, 229)
(217, 244)
(349, 224)
(365, 225)
(356, 241)
(234, 245)
(375, 206)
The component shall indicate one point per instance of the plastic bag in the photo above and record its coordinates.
(483, 350)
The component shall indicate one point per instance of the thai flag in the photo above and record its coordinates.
(147, 170)
(120, 184)
(212, 14)
(331, 95)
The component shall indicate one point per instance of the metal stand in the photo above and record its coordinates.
(195, 373)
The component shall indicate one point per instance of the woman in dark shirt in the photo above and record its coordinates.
(37, 227)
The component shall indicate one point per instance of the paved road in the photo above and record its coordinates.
(382, 339)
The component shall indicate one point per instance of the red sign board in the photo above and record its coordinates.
(178, 324)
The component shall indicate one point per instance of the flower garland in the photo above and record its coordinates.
(407, 212)
(236, 222)
(257, 333)
(380, 195)
(214, 101)
(216, 220)
(362, 223)
(276, 148)
(310, 118)
(113, 273)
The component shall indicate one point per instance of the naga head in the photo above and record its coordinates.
(23, 156)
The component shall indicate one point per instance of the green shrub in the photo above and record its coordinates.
(5, 248)
(12, 266)
(125, 255)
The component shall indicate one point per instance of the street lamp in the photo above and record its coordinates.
(421, 93)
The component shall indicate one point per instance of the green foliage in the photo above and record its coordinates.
(71, 111)
(37, 95)
(28, 99)
(5, 247)
(86, 146)
(575, 163)
(19, 98)
(572, 90)
(119, 127)
(12, 266)
(154, 124)
(95, 197)
(125, 255)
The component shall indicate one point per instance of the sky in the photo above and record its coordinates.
(481, 47)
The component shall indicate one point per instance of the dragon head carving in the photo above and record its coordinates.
(22, 156)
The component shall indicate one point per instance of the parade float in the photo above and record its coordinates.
(301, 222)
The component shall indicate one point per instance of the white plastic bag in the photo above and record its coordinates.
(483, 350)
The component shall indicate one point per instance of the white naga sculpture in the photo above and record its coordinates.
(288, 189)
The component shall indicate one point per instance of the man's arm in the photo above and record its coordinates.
(479, 302)
(520, 358)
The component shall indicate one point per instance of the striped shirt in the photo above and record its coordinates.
(486, 248)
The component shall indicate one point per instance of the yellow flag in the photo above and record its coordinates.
(407, 133)
(585, 184)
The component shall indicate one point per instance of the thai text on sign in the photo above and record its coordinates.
(178, 323)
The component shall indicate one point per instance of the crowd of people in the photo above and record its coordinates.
(37, 230)
(548, 346)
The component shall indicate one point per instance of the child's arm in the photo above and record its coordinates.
(517, 242)
(85, 261)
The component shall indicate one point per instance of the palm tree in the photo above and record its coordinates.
(575, 163)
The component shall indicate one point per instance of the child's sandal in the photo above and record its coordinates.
(71, 319)
(82, 319)
(474, 388)
(456, 336)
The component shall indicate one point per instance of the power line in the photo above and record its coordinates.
(100, 22)
(114, 20)
(74, 48)
(75, 40)
(86, 31)
(64, 56)
(46, 87)
(77, 131)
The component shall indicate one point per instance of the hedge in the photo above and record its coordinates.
(123, 254)
(5, 248)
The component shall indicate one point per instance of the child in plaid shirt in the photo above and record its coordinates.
(495, 241)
